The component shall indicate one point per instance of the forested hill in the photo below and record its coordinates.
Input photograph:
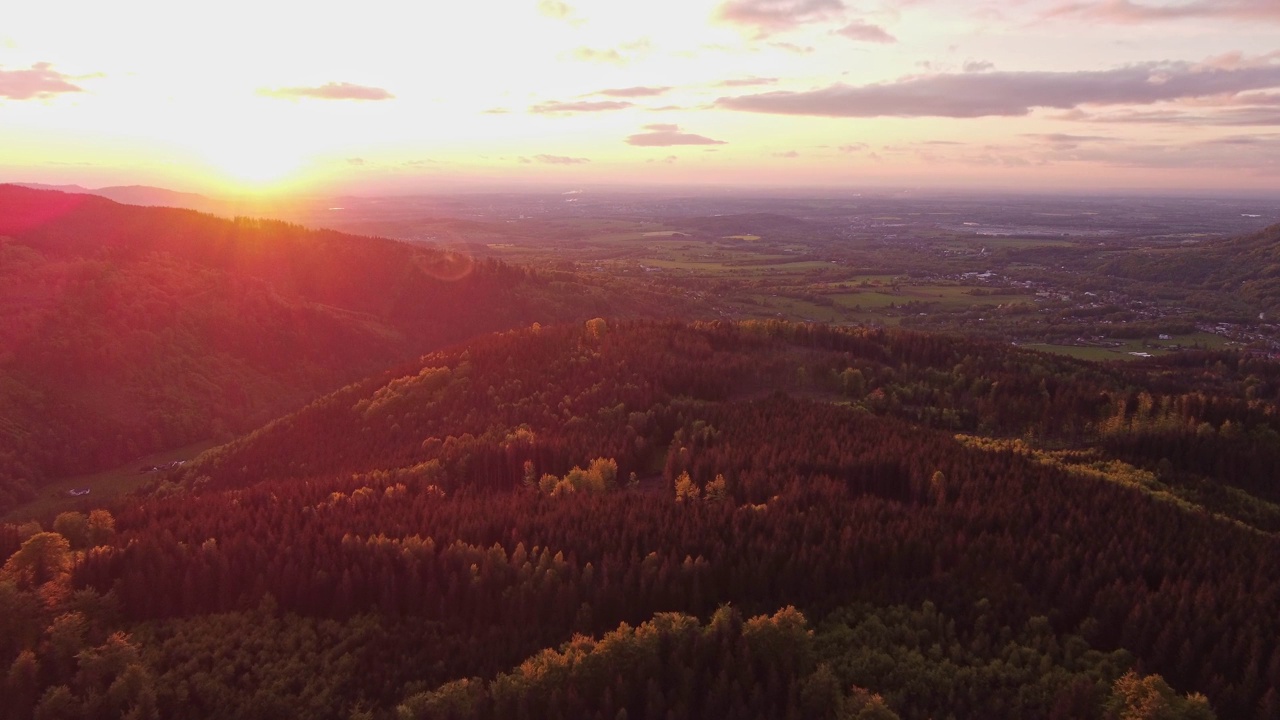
(1210, 416)
(128, 329)
(1245, 267)
(964, 529)
(1250, 264)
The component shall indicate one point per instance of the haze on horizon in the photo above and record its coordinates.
(401, 97)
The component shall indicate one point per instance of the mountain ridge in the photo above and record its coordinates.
(128, 329)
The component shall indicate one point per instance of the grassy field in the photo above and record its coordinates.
(839, 283)
(947, 296)
(794, 308)
(1083, 352)
(53, 498)
(1124, 351)
(740, 265)
(992, 242)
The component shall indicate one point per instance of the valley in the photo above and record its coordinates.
(653, 464)
(1060, 273)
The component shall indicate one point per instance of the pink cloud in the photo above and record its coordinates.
(631, 92)
(748, 82)
(665, 135)
(582, 106)
(330, 91)
(40, 81)
(770, 16)
(1231, 117)
(866, 32)
(1127, 11)
(971, 95)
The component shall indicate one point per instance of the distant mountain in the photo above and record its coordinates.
(140, 195)
(125, 329)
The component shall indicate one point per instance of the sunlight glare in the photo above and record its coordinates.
(252, 165)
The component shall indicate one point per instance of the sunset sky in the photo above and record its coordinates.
(395, 96)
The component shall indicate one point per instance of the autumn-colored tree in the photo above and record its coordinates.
(73, 526)
(102, 527)
(686, 489)
(44, 558)
(1150, 698)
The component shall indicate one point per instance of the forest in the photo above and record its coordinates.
(125, 330)
(659, 519)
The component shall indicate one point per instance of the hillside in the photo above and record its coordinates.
(1244, 268)
(788, 520)
(1250, 265)
(125, 330)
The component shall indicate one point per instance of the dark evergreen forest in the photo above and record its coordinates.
(638, 519)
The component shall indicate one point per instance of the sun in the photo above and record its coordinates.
(256, 168)
(254, 163)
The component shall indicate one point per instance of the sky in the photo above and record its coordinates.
(392, 96)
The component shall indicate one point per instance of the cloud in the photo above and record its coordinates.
(973, 95)
(978, 66)
(39, 82)
(587, 54)
(1260, 99)
(580, 106)
(495, 111)
(1244, 140)
(560, 160)
(1243, 116)
(866, 32)
(356, 161)
(1067, 141)
(1126, 11)
(1065, 138)
(1235, 60)
(787, 154)
(329, 91)
(1251, 154)
(664, 135)
(770, 16)
(555, 9)
(792, 47)
(853, 147)
(631, 92)
(747, 82)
